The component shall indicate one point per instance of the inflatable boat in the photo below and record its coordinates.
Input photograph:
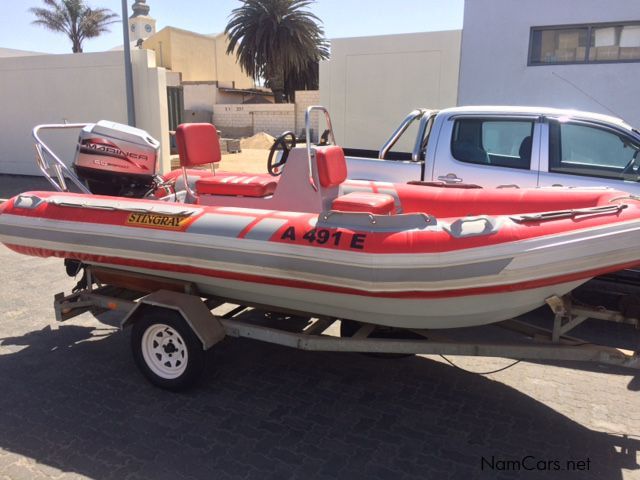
(400, 255)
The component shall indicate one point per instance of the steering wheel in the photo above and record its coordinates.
(286, 142)
(324, 138)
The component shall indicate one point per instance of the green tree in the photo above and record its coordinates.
(306, 79)
(276, 40)
(75, 19)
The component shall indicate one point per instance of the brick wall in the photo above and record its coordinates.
(304, 99)
(271, 118)
(274, 121)
(248, 119)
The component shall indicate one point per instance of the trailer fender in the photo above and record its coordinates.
(204, 324)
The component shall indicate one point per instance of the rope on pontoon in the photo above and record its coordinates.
(115, 208)
(538, 217)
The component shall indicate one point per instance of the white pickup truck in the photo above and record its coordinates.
(507, 146)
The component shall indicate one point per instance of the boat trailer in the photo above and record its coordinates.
(183, 313)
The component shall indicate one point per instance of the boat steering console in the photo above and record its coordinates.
(287, 141)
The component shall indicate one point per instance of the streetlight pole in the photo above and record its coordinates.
(128, 73)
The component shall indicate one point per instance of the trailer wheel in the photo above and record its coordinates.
(348, 328)
(166, 349)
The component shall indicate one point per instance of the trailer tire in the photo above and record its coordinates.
(166, 350)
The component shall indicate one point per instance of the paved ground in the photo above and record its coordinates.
(250, 160)
(11, 185)
(72, 405)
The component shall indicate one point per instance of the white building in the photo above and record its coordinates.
(141, 24)
(371, 83)
(75, 88)
(37, 88)
(582, 54)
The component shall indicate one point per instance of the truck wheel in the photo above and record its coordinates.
(167, 350)
(348, 328)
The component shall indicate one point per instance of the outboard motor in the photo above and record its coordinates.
(116, 159)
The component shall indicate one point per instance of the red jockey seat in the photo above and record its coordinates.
(246, 185)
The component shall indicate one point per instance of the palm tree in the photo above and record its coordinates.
(74, 18)
(275, 39)
(308, 78)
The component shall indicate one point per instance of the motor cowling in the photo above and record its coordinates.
(116, 159)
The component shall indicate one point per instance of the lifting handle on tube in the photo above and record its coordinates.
(307, 124)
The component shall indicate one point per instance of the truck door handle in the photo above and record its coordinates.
(450, 178)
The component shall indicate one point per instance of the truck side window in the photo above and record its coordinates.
(502, 143)
(579, 149)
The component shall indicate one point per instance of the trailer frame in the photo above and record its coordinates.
(536, 343)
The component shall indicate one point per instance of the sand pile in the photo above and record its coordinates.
(260, 140)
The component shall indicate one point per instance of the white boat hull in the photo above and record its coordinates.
(436, 313)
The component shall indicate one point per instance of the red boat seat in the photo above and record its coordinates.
(246, 185)
(198, 144)
(332, 166)
(376, 203)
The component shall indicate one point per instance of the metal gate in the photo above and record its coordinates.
(175, 104)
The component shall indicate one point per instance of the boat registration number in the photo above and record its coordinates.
(322, 236)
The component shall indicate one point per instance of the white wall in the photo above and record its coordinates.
(371, 83)
(495, 46)
(174, 79)
(200, 96)
(12, 52)
(74, 88)
(151, 103)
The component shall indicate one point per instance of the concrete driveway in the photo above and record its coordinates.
(73, 405)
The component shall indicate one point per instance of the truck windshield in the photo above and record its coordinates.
(579, 148)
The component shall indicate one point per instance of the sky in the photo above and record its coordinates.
(341, 18)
